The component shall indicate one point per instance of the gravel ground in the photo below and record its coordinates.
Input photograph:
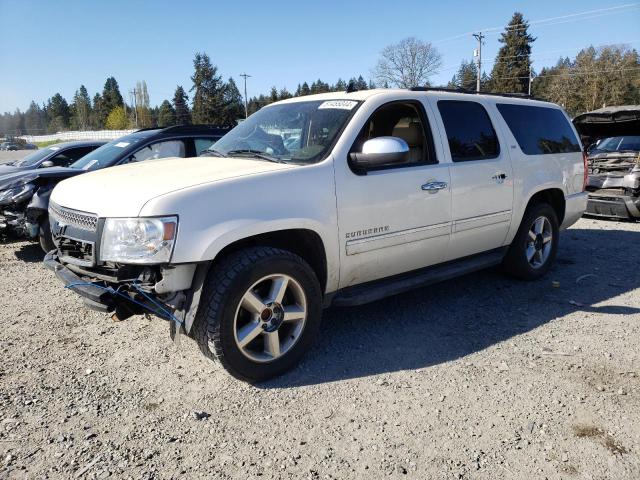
(478, 378)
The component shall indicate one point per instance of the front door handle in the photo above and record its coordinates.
(434, 186)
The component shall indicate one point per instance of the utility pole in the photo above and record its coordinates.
(133, 94)
(479, 36)
(530, 78)
(246, 108)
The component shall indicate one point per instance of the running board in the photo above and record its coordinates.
(386, 287)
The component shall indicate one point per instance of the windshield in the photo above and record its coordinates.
(35, 157)
(106, 155)
(615, 144)
(298, 132)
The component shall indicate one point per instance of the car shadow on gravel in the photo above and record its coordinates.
(31, 253)
(453, 319)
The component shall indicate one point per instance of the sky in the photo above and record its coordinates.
(55, 46)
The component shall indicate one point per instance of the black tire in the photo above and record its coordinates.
(224, 288)
(516, 262)
(44, 235)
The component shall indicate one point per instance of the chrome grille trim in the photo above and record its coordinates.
(82, 220)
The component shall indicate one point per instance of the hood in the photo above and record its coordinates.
(608, 122)
(28, 175)
(122, 191)
(6, 169)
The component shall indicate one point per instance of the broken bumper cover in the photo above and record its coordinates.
(611, 205)
(94, 296)
(575, 205)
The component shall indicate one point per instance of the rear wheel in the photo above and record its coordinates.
(535, 245)
(44, 235)
(259, 312)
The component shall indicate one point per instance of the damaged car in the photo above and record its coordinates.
(613, 161)
(24, 196)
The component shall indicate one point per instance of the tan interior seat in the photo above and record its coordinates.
(411, 132)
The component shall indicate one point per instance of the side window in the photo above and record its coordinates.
(469, 130)
(168, 148)
(202, 144)
(71, 155)
(403, 120)
(539, 130)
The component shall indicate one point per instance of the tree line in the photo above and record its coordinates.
(596, 77)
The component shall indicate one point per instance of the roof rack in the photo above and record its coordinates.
(471, 92)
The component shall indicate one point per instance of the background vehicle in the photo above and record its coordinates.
(613, 161)
(385, 190)
(26, 198)
(9, 146)
(59, 155)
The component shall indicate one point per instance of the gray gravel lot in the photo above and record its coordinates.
(483, 377)
(10, 156)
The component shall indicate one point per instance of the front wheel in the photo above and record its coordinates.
(535, 245)
(259, 312)
(44, 235)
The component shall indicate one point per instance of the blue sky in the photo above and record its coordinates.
(54, 46)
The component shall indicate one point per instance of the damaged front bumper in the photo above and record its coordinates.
(128, 291)
(613, 204)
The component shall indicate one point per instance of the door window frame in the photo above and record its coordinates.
(444, 126)
(426, 130)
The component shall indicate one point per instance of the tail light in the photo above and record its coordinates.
(586, 171)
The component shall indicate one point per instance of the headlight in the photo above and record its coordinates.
(138, 240)
(16, 194)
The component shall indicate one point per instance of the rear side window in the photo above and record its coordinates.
(539, 130)
(469, 131)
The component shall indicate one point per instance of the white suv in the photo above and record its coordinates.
(339, 198)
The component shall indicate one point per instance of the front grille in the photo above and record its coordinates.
(82, 220)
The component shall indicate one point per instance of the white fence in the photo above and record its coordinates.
(84, 135)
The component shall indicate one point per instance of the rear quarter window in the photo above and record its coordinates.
(539, 130)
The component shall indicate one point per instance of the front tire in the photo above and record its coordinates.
(259, 312)
(534, 248)
(44, 235)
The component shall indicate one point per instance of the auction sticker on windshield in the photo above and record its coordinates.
(339, 104)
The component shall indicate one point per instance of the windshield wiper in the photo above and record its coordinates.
(210, 152)
(256, 154)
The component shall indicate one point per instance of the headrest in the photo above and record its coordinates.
(410, 133)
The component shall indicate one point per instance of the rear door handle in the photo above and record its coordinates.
(434, 186)
(499, 176)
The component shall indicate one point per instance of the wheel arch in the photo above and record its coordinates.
(553, 197)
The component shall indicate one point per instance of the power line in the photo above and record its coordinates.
(572, 74)
(541, 22)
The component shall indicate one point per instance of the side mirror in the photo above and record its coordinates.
(380, 152)
(46, 164)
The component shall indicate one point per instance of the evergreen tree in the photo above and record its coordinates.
(233, 104)
(361, 83)
(111, 97)
(273, 95)
(283, 94)
(81, 108)
(181, 106)
(340, 86)
(97, 118)
(208, 91)
(58, 113)
(512, 65)
(35, 120)
(466, 77)
(166, 115)
(303, 90)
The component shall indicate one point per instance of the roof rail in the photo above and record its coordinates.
(471, 92)
(191, 128)
(186, 128)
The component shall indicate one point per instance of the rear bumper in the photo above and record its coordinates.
(613, 206)
(575, 206)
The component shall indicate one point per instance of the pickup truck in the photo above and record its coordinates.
(330, 199)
